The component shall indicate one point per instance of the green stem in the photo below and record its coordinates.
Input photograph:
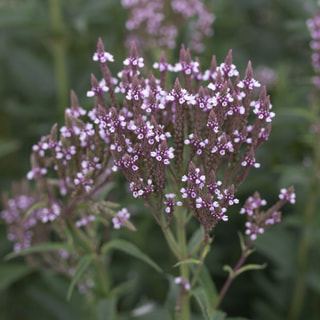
(103, 280)
(202, 257)
(172, 243)
(184, 311)
(58, 47)
(84, 240)
(300, 286)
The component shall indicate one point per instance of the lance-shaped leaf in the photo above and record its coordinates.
(130, 249)
(187, 261)
(34, 207)
(204, 304)
(208, 288)
(107, 308)
(42, 247)
(172, 296)
(82, 266)
(249, 267)
(10, 273)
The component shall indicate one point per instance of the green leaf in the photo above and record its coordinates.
(205, 281)
(242, 242)
(172, 296)
(10, 273)
(206, 306)
(208, 294)
(202, 299)
(250, 267)
(130, 249)
(187, 261)
(196, 240)
(147, 311)
(107, 309)
(218, 315)
(205, 251)
(82, 266)
(48, 292)
(33, 207)
(122, 289)
(42, 247)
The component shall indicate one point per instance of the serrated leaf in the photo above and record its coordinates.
(187, 261)
(249, 267)
(203, 302)
(42, 247)
(10, 273)
(130, 249)
(205, 281)
(206, 308)
(82, 266)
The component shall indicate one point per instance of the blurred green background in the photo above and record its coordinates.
(46, 49)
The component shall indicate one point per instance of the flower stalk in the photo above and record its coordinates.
(184, 303)
(299, 291)
(233, 274)
(58, 46)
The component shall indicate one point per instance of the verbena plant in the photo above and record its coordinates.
(183, 146)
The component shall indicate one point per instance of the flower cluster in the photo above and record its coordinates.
(70, 167)
(182, 137)
(196, 138)
(314, 27)
(157, 23)
(20, 230)
(121, 217)
(258, 221)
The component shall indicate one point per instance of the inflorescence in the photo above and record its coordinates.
(157, 23)
(314, 28)
(258, 221)
(194, 141)
(188, 144)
